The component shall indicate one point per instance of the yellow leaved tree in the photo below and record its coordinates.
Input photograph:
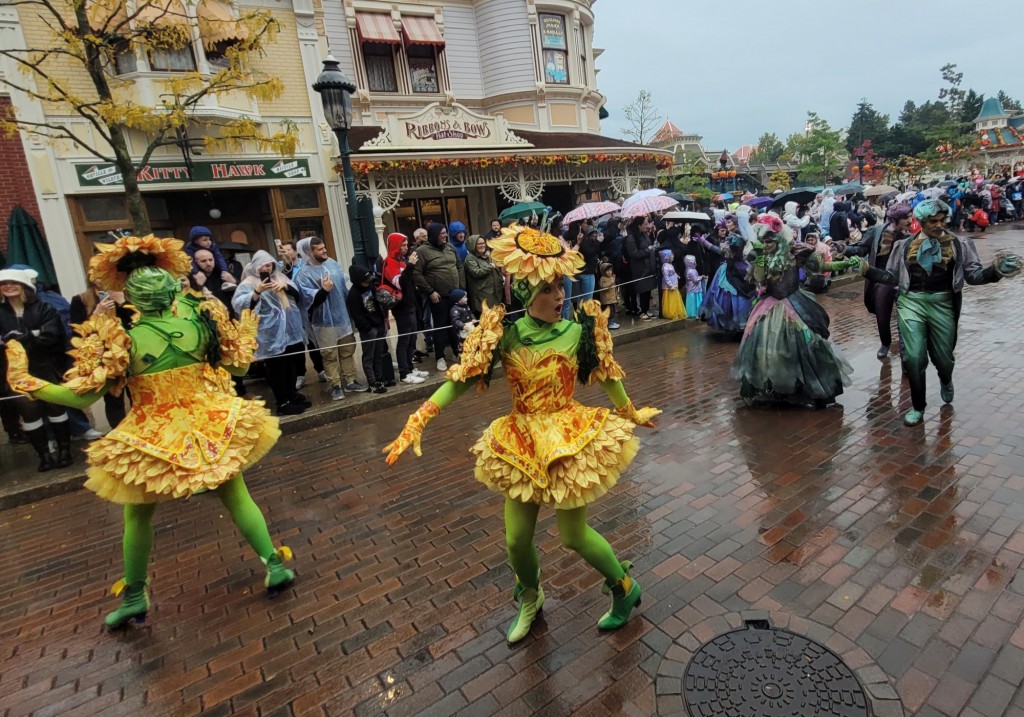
(89, 65)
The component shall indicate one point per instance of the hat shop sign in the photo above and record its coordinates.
(440, 126)
(103, 175)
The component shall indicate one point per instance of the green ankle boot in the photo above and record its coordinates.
(625, 596)
(134, 606)
(531, 600)
(278, 576)
(626, 566)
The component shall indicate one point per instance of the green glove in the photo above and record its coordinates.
(1008, 265)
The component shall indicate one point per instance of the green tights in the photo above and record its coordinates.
(138, 528)
(520, 525)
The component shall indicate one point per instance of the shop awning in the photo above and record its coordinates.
(421, 31)
(376, 27)
(104, 15)
(217, 24)
(161, 12)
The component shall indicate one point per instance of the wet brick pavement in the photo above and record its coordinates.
(903, 544)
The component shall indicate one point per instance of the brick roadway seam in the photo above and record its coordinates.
(908, 542)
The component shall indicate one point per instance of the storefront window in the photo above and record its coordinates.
(104, 209)
(406, 219)
(301, 197)
(380, 67)
(305, 227)
(431, 210)
(554, 49)
(423, 68)
(458, 210)
(411, 214)
(125, 60)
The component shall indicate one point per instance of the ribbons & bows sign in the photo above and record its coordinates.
(440, 126)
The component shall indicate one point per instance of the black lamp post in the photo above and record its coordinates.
(722, 162)
(335, 91)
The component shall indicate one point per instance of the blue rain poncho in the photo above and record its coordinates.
(280, 317)
(331, 313)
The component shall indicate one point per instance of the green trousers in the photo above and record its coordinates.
(928, 330)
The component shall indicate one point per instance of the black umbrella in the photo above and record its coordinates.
(680, 197)
(800, 195)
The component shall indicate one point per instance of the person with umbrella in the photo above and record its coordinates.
(931, 268)
(639, 251)
(550, 450)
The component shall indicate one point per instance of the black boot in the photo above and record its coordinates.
(41, 445)
(62, 434)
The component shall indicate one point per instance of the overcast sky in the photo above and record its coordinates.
(730, 71)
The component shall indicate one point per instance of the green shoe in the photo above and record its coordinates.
(626, 566)
(913, 417)
(134, 606)
(946, 391)
(531, 600)
(517, 590)
(278, 576)
(625, 596)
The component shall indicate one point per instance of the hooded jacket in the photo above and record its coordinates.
(461, 248)
(280, 318)
(793, 221)
(438, 268)
(398, 275)
(363, 308)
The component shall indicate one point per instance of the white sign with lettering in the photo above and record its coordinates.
(440, 126)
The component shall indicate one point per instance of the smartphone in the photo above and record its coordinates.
(104, 295)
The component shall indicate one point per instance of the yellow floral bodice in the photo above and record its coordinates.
(541, 382)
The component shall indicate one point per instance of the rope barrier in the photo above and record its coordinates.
(397, 336)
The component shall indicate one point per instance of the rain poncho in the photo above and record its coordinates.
(279, 314)
(331, 313)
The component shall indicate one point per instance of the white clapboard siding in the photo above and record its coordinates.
(337, 37)
(463, 52)
(506, 48)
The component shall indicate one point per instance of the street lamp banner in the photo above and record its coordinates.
(440, 126)
(103, 175)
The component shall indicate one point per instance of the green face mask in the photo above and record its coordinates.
(151, 290)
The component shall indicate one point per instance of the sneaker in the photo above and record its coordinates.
(441, 365)
(321, 377)
(378, 388)
(613, 325)
(300, 382)
(411, 378)
(417, 359)
(390, 384)
(421, 374)
(646, 317)
(301, 400)
(356, 387)
(337, 394)
(91, 435)
(417, 354)
(291, 409)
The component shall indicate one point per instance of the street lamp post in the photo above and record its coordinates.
(722, 162)
(335, 90)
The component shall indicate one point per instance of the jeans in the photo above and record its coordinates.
(405, 323)
(374, 347)
(442, 334)
(567, 304)
(584, 288)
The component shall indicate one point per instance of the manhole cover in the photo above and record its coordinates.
(770, 673)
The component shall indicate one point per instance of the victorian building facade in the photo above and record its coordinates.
(467, 106)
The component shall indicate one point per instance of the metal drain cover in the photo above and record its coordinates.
(770, 673)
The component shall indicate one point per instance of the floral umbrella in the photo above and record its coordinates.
(642, 194)
(590, 210)
(647, 205)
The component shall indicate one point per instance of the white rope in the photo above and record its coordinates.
(398, 336)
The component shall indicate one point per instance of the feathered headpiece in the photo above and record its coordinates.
(110, 268)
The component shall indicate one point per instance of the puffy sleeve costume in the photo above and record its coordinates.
(550, 449)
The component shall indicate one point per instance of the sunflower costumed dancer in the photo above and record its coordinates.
(550, 450)
(187, 431)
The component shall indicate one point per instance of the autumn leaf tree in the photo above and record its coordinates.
(97, 39)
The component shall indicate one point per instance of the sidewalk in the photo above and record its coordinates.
(21, 484)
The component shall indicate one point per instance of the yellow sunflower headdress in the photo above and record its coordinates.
(533, 258)
(110, 268)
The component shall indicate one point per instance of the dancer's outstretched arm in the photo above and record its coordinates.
(21, 381)
(413, 430)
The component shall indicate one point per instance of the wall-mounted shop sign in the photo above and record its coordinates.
(440, 126)
(103, 175)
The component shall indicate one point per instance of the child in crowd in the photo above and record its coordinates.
(461, 316)
(671, 299)
(202, 238)
(608, 294)
(979, 220)
(694, 285)
(370, 322)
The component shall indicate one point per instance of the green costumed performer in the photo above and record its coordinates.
(187, 431)
(550, 450)
(931, 268)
